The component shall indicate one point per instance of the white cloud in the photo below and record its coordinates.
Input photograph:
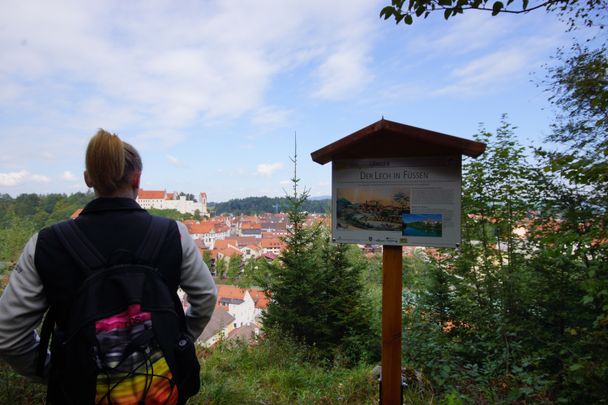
(466, 33)
(163, 76)
(175, 161)
(161, 66)
(342, 74)
(471, 55)
(11, 179)
(38, 178)
(270, 117)
(266, 169)
(487, 72)
(68, 176)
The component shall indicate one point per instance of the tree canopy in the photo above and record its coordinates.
(589, 12)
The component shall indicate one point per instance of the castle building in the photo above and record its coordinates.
(162, 200)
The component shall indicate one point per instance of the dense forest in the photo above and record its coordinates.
(258, 205)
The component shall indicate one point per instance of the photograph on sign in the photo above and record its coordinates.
(371, 208)
(427, 225)
(412, 202)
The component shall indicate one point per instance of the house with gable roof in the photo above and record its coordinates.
(222, 230)
(251, 251)
(251, 229)
(246, 305)
(261, 301)
(228, 253)
(224, 243)
(272, 245)
(221, 325)
(204, 231)
(238, 302)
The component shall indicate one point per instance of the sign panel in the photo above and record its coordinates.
(408, 202)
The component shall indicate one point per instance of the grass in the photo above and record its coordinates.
(16, 390)
(270, 372)
(279, 372)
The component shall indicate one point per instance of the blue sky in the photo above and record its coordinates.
(212, 92)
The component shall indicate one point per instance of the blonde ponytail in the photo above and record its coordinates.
(110, 162)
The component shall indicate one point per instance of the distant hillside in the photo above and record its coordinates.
(20, 217)
(258, 205)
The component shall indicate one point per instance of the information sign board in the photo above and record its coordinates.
(409, 202)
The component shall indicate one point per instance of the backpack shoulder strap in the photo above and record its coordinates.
(45, 336)
(148, 253)
(88, 258)
(155, 237)
(78, 246)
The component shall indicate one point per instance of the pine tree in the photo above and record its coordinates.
(346, 307)
(294, 286)
(317, 294)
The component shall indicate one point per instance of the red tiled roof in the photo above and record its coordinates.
(224, 243)
(270, 256)
(272, 243)
(230, 251)
(259, 297)
(203, 227)
(230, 291)
(151, 194)
(249, 225)
(221, 227)
(244, 241)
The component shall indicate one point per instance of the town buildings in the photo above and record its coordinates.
(237, 315)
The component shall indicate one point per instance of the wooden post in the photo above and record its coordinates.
(391, 324)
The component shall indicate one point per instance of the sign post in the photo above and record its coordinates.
(391, 324)
(396, 185)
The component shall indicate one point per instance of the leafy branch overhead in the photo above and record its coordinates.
(405, 12)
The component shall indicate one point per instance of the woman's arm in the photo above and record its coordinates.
(22, 306)
(197, 283)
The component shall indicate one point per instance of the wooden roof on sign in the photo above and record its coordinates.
(389, 139)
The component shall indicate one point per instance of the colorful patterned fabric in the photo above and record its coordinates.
(126, 375)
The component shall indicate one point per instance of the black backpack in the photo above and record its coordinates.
(125, 338)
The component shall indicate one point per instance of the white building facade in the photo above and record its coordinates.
(162, 200)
